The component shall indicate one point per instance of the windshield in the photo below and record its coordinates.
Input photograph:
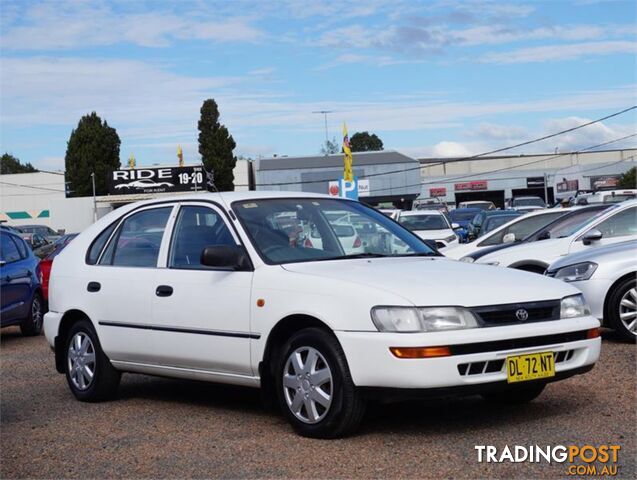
(491, 223)
(38, 229)
(528, 202)
(313, 229)
(573, 223)
(423, 222)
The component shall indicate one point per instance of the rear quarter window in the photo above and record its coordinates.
(97, 246)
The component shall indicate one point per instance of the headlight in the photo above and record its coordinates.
(574, 306)
(574, 273)
(467, 259)
(431, 319)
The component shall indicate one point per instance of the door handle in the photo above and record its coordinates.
(164, 291)
(93, 287)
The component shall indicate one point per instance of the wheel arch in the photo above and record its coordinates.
(531, 265)
(281, 331)
(69, 318)
(609, 293)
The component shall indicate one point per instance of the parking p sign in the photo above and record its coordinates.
(343, 188)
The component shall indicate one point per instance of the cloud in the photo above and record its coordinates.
(450, 149)
(67, 25)
(561, 52)
(262, 71)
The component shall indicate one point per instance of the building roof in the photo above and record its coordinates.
(335, 160)
(428, 160)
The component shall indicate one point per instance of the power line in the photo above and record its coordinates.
(503, 169)
(462, 159)
(31, 186)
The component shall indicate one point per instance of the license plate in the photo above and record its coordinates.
(521, 368)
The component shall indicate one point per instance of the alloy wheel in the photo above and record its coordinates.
(36, 313)
(81, 361)
(628, 310)
(308, 385)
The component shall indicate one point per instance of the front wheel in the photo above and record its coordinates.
(89, 372)
(32, 324)
(516, 394)
(622, 309)
(314, 386)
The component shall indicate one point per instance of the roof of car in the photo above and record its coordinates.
(490, 213)
(413, 213)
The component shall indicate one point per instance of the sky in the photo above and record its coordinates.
(431, 78)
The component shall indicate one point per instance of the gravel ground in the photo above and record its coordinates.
(161, 428)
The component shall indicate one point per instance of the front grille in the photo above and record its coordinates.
(498, 315)
(491, 366)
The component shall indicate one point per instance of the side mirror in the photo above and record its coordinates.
(61, 231)
(224, 256)
(591, 236)
(455, 226)
(544, 235)
(2, 263)
(508, 238)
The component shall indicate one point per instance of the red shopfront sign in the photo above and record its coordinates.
(475, 185)
(438, 192)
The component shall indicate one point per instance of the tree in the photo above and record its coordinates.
(329, 148)
(216, 146)
(9, 164)
(627, 179)
(92, 147)
(364, 142)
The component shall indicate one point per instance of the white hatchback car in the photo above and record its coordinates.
(211, 287)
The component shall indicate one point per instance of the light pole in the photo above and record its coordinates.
(324, 113)
(94, 199)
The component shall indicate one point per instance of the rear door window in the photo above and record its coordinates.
(138, 240)
(8, 249)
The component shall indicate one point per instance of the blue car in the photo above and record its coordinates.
(462, 216)
(21, 299)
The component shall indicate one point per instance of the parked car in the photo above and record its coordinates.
(489, 220)
(612, 225)
(205, 286)
(44, 250)
(47, 261)
(429, 203)
(481, 204)
(47, 232)
(429, 225)
(390, 212)
(514, 231)
(610, 196)
(21, 298)
(346, 234)
(526, 204)
(462, 217)
(543, 226)
(606, 276)
(35, 240)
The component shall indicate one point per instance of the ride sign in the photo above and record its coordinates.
(157, 180)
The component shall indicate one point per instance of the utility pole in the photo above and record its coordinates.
(546, 188)
(324, 113)
(94, 199)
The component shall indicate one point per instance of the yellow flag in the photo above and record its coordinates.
(131, 161)
(348, 176)
(180, 156)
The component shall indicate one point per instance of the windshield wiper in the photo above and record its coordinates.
(420, 254)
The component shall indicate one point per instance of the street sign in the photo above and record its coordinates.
(438, 192)
(353, 190)
(534, 182)
(157, 180)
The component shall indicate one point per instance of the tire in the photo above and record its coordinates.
(516, 394)
(32, 324)
(83, 351)
(622, 309)
(323, 404)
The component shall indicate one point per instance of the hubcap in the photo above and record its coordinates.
(81, 361)
(628, 310)
(307, 385)
(36, 313)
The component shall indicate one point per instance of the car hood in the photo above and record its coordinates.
(623, 252)
(438, 281)
(542, 250)
(433, 234)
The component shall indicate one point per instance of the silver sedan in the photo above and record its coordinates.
(606, 276)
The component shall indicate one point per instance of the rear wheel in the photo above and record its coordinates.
(314, 386)
(32, 324)
(622, 309)
(516, 394)
(89, 373)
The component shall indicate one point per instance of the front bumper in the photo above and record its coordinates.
(372, 364)
(595, 291)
